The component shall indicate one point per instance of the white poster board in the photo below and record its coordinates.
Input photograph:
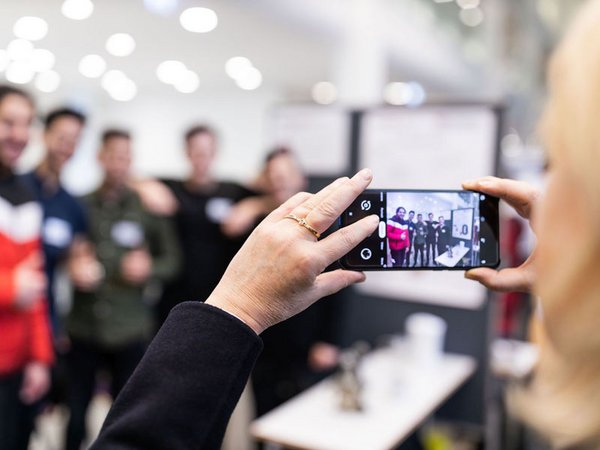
(318, 135)
(434, 147)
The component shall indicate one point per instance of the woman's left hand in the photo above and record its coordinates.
(278, 272)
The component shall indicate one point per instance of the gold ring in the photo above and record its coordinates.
(302, 222)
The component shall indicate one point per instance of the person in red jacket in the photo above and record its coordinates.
(25, 341)
(398, 236)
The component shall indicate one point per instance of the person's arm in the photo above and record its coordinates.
(185, 388)
(165, 249)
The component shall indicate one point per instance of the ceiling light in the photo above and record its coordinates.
(92, 66)
(236, 66)
(77, 9)
(250, 79)
(124, 91)
(112, 78)
(19, 72)
(4, 60)
(162, 7)
(471, 17)
(198, 20)
(120, 44)
(42, 60)
(468, 4)
(30, 28)
(324, 93)
(170, 71)
(47, 81)
(19, 49)
(187, 83)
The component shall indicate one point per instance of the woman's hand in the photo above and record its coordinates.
(278, 271)
(523, 198)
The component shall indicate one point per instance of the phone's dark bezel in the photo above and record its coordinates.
(488, 208)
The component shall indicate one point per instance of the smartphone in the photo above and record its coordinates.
(425, 230)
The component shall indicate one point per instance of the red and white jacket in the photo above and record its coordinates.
(24, 333)
(397, 233)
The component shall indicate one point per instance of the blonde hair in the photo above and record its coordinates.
(563, 400)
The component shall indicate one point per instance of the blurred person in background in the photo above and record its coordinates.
(25, 338)
(420, 239)
(431, 244)
(411, 234)
(199, 205)
(125, 250)
(443, 236)
(562, 401)
(64, 217)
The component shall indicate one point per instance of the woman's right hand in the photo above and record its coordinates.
(523, 198)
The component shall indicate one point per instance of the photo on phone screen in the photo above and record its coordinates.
(425, 230)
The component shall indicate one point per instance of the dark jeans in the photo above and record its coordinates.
(84, 361)
(419, 250)
(16, 418)
(398, 256)
(431, 248)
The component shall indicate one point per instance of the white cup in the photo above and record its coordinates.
(426, 334)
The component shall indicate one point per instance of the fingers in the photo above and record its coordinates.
(288, 206)
(345, 239)
(506, 280)
(329, 283)
(327, 210)
(520, 195)
(302, 210)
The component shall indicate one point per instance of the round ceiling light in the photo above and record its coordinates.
(47, 81)
(198, 20)
(120, 44)
(92, 66)
(77, 9)
(31, 28)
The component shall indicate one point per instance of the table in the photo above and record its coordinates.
(399, 394)
(458, 253)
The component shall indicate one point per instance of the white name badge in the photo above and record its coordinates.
(217, 209)
(57, 232)
(127, 234)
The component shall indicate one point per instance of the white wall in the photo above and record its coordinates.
(158, 122)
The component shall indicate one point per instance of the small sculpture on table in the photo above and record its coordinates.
(349, 384)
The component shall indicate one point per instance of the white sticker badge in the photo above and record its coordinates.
(127, 234)
(57, 232)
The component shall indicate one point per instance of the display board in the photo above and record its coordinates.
(318, 135)
(433, 147)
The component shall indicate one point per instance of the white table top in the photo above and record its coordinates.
(458, 253)
(399, 394)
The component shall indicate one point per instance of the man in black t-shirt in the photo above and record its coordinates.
(202, 204)
(443, 242)
(430, 246)
(411, 233)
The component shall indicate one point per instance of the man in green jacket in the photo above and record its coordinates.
(127, 252)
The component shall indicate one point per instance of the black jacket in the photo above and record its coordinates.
(185, 388)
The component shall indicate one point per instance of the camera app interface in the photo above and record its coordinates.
(419, 229)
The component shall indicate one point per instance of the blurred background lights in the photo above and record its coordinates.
(42, 60)
(171, 71)
(119, 86)
(47, 81)
(187, 83)
(31, 28)
(324, 93)
(471, 17)
(250, 79)
(235, 67)
(468, 4)
(120, 44)
(198, 20)
(19, 49)
(92, 66)
(19, 72)
(161, 7)
(404, 94)
(4, 60)
(77, 9)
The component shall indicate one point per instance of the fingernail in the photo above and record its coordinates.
(367, 174)
(374, 219)
(467, 275)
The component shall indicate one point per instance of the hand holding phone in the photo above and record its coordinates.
(425, 230)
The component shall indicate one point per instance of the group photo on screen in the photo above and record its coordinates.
(427, 229)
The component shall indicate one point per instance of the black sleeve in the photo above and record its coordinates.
(184, 390)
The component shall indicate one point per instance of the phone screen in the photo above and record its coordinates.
(425, 230)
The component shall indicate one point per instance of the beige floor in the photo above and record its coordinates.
(50, 426)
